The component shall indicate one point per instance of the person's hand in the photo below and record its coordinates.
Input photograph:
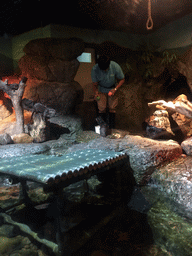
(96, 96)
(111, 93)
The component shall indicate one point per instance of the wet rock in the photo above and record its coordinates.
(170, 217)
(170, 230)
(174, 182)
(76, 191)
(5, 139)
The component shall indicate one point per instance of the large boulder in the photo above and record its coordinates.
(170, 217)
(50, 64)
(63, 97)
(63, 70)
(35, 67)
(57, 48)
(145, 154)
(69, 127)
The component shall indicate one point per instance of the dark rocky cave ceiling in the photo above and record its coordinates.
(131, 15)
(18, 16)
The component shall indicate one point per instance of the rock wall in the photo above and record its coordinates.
(147, 80)
(50, 65)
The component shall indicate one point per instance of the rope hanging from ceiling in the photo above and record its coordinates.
(149, 24)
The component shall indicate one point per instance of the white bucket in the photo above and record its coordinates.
(98, 129)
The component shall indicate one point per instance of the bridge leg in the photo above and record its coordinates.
(58, 224)
(24, 194)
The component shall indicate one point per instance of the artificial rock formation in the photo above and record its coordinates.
(51, 65)
(159, 168)
(178, 116)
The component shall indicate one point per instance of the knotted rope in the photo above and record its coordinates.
(149, 23)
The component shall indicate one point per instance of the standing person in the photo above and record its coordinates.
(105, 75)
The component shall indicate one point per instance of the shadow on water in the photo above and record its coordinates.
(127, 234)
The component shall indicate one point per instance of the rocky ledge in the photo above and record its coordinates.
(162, 170)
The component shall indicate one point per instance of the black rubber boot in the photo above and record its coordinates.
(103, 116)
(111, 120)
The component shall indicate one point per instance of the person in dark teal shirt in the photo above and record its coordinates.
(107, 77)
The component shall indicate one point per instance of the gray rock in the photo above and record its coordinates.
(39, 130)
(174, 182)
(72, 124)
(5, 139)
(170, 217)
(144, 154)
(15, 150)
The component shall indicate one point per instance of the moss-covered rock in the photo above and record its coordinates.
(171, 231)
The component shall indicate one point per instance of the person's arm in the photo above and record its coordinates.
(113, 91)
(119, 84)
(119, 76)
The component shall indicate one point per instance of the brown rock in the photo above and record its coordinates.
(58, 48)
(184, 124)
(37, 47)
(66, 49)
(63, 97)
(35, 67)
(64, 71)
(22, 138)
(4, 112)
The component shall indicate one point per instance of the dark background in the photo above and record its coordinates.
(19, 16)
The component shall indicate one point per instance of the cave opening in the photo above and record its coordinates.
(175, 84)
